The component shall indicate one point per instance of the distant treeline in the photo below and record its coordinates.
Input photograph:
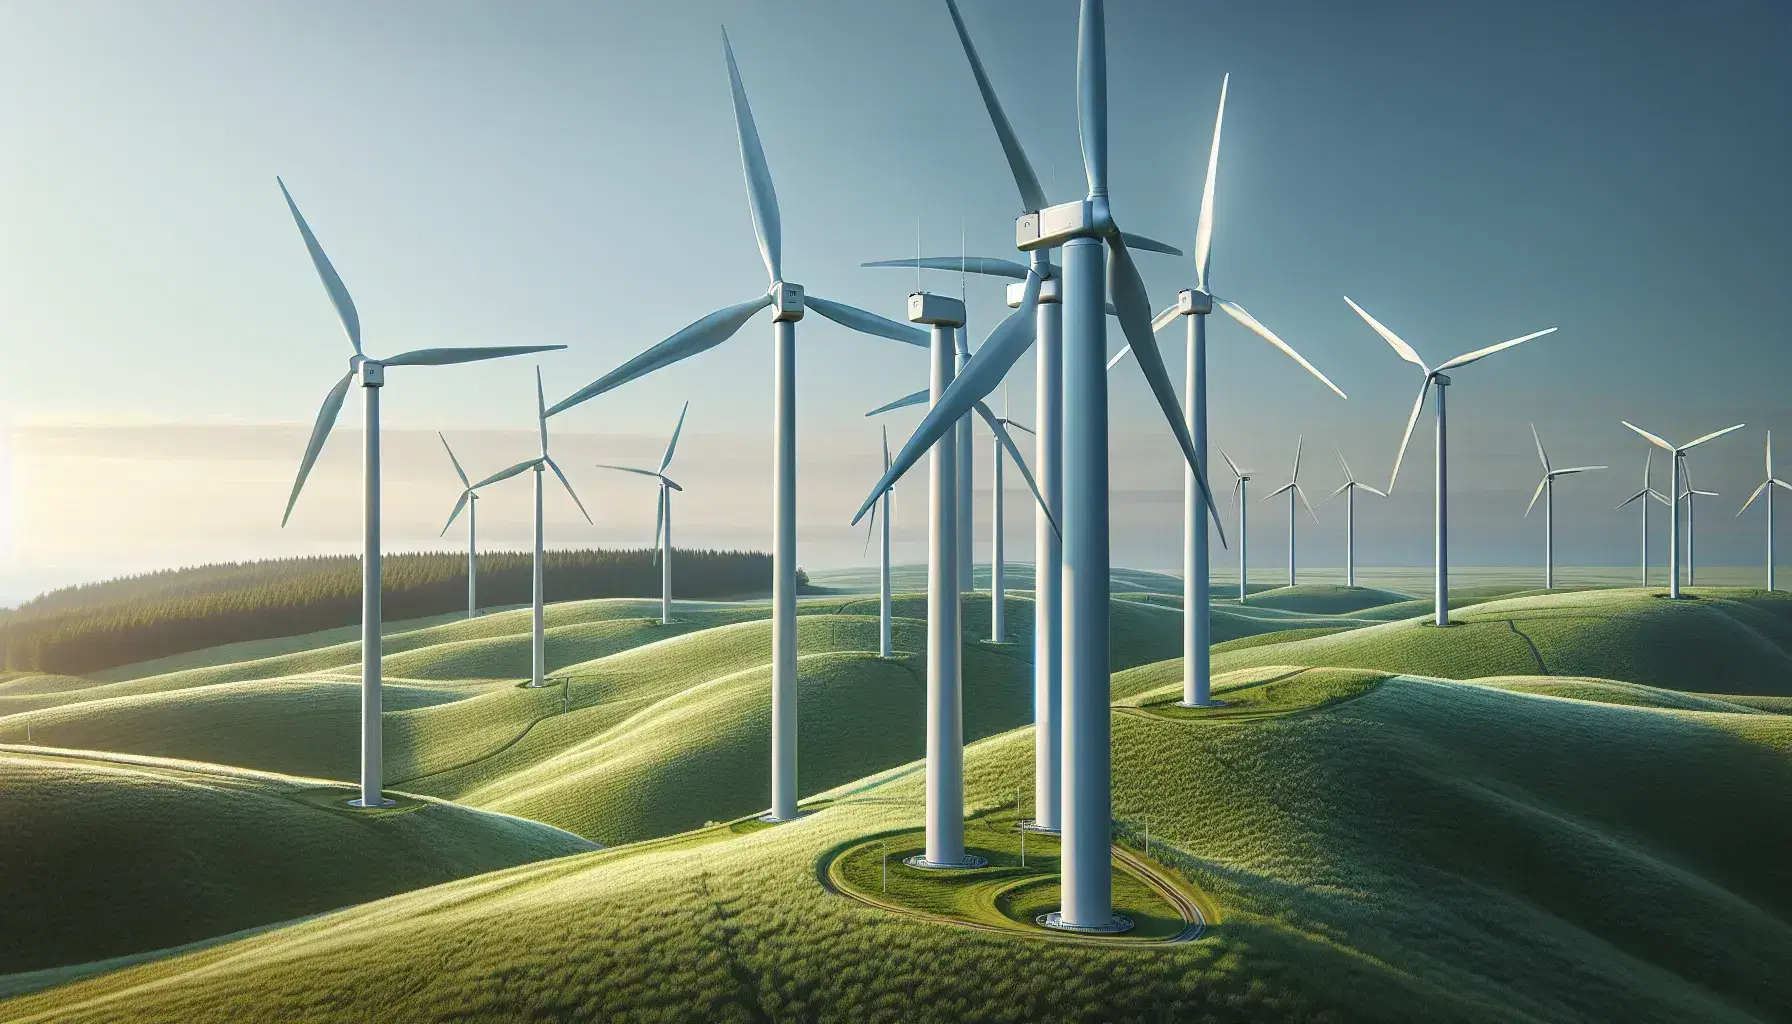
(101, 625)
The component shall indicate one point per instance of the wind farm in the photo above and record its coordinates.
(1052, 741)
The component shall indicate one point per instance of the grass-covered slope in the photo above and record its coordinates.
(1324, 598)
(1722, 641)
(1426, 850)
(105, 857)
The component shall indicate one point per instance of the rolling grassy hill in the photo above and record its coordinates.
(1423, 850)
(106, 856)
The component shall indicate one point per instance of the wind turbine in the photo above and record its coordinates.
(1293, 489)
(469, 501)
(1546, 489)
(1094, 250)
(1442, 381)
(1679, 456)
(789, 301)
(1643, 496)
(1194, 305)
(998, 616)
(1241, 499)
(885, 648)
(538, 645)
(372, 375)
(662, 518)
(1692, 565)
(1351, 486)
(1766, 487)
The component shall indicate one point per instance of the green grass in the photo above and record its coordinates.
(1324, 598)
(109, 856)
(1247, 694)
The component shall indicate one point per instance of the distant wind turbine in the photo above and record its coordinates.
(1442, 381)
(1643, 496)
(1687, 495)
(662, 518)
(998, 616)
(468, 500)
(1242, 500)
(372, 375)
(1766, 487)
(1351, 486)
(1293, 489)
(885, 648)
(1674, 476)
(789, 301)
(1546, 489)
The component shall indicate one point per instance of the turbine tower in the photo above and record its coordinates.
(1766, 487)
(1351, 486)
(1692, 564)
(1643, 496)
(1442, 381)
(1546, 489)
(885, 648)
(1674, 475)
(998, 589)
(662, 517)
(469, 501)
(1293, 490)
(1094, 250)
(789, 301)
(371, 373)
(1241, 499)
(1193, 306)
(538, 646)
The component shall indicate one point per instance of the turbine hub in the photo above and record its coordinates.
(1442, 380)
(371, 371)
(787, 302)
(1192, 301)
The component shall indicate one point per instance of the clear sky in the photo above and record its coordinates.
(568, 174)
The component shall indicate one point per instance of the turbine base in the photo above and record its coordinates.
(971, 860)
(361, 805)
(1033, 826)
(1211, 703)
(1055, 920)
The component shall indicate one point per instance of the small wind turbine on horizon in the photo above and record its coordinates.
(1437, 377)
(538, 650)
(1766, 487)
(885, 648)
(372, 374)
(1242, 500)
(468, 500)
(789, 301)
(1546, 489)
(1348, 490)
(1643, 496)
(1687, 495)
(662, 519)
(1293, 489)
(998, 616)
(1674, 477)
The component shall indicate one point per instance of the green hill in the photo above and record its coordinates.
(1416, 850)
(106, 856)
(1325, 598)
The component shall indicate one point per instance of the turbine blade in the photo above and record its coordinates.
(320, 430)
(1711, 436)
(870, 528)
(1162, 320)
(669, 482)
(1411, 422)
(980, 376)
(1134, 307)
(1483, 353)
(457, 470)
(345, 306)
(917, 398)
(1348, 476)
(1300, 441)
(452, 516)
(1656, 441)
(1114, 360)
(541, 413)
(1007, 443)
(1237, 312)
(1538, 493)
(1777, 482)
(672, 445)
(451, 356)
(1400, 347)
(508, 472)
(1658, 496)
(1280, 490)
(1233, 466)
(1541, 455)
(701, 336)
(1204, 226)
(1092, 95)
(1578, 469)
(628, 469)
(1144, 244)
(886, 432)
(761, 197)
(1633, 497)
(1341, 489)
(867, 323)
(1032, 196)
(988, 266)
(1371, 490)
(1301, 493)
(659, 521)
(1022, 427)
(555, 466)
(1752, 497)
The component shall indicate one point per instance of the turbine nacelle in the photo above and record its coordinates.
(371, 373)
(935, 310)
(787, 302)
(1055, 225)
(1050, 290)
(1193, 302)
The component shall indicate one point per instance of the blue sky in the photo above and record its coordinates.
(567, 173)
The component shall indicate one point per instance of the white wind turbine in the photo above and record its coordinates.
(468, 500)
(1351, 486)
(372, 375)
(1644, 496)
(1094, 250)
(885, 648)
(1293, 490)
(1674, 474)
(998, 615)
(1194, 305)
(1692, 563)
(538, 646)
(1240, 498)
(789, 301)
(1546, 489)
(662, 519)
(1436, 377)
(1766, 487)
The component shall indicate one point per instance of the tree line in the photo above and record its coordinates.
(96, 626)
